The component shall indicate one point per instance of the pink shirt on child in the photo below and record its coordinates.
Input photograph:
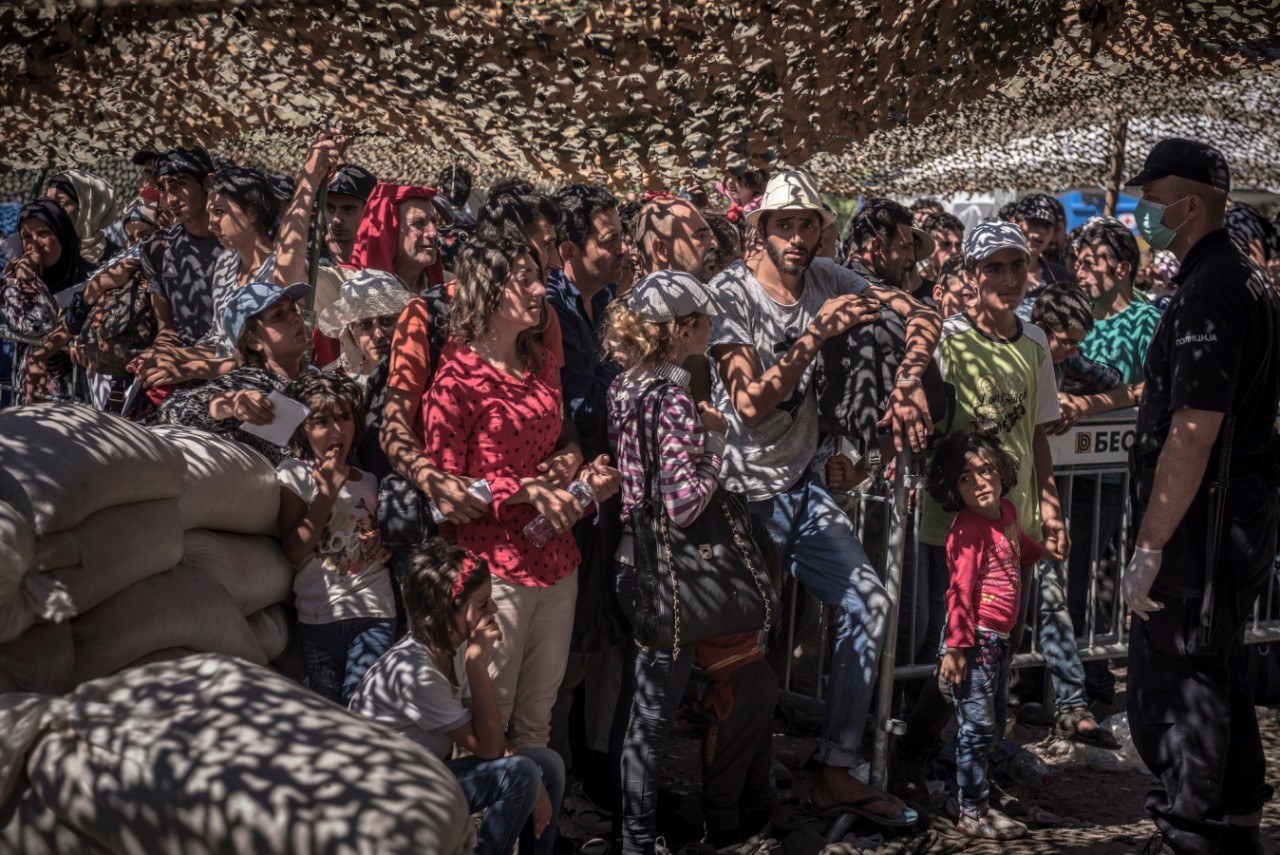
(985, 558)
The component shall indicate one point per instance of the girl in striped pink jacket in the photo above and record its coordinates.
(664, 321)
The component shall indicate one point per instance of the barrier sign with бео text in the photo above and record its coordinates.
(1102, 441)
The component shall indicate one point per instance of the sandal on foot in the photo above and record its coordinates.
(1067, 724)
(859, 809)
(993, 825)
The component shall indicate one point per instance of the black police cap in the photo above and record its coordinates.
(352, 180)
(1195, 161)
(1041, 206)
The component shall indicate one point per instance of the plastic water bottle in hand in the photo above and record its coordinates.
(539, 530)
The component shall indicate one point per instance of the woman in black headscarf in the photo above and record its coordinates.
(50, 264)
(50, 247)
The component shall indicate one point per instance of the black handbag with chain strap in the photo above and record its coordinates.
(701, 581)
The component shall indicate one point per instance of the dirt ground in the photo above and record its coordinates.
(1101, 807)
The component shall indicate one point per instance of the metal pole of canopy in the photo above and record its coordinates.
(316, 242)
(1115, 167)
(37, 190)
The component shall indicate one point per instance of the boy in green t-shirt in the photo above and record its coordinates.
(1002, 377)
(1106, 262)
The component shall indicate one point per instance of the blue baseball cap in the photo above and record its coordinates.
(253, 299)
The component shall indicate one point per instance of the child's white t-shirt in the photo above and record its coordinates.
(334, 582)
(407, 691)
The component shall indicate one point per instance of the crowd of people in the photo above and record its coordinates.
(494, 383)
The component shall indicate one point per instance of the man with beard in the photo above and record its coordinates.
(670, 233)
(884, 241)
(781, 306)
(948, 235)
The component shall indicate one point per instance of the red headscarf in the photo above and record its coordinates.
(375, 248)
(379, 230)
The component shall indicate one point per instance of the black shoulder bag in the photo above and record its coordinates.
(702, 581)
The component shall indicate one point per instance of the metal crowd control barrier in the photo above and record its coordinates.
(11, 385)
(1091, 472)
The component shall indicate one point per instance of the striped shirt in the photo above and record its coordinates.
(688, 456)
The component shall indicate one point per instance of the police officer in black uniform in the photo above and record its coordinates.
(1205, 502)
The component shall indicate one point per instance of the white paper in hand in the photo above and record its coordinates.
(289, 414)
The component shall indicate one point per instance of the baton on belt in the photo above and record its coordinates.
(1213, 539)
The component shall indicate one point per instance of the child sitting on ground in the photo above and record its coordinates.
(329, 529)
(422, 687)
(986, 548)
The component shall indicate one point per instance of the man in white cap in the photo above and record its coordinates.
(780, 306)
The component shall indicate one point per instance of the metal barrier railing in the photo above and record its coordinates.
(1091, 472)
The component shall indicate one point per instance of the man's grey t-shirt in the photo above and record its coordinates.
(767, 459)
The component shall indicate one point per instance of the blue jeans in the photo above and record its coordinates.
(980, 710)
(337, 654)
(1058, 640)
(653, 683)
(1099, 681)
(817, 546)
(509, 787)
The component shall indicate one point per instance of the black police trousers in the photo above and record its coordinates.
(1190, 710)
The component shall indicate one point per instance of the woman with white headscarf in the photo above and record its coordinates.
(89, 202)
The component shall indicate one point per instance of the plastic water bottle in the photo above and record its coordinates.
(539, 531)
(1027, 770)
(479, 489)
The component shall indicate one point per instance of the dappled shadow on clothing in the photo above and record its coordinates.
(212, 754)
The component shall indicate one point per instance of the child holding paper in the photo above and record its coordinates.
(271, 351)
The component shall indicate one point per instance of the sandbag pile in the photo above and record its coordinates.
(120, 544)
(211, 754)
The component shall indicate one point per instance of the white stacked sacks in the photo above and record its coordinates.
(151, 541)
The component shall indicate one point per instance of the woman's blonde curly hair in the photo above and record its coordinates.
(634, 342)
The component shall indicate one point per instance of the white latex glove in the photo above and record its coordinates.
(1138, 578)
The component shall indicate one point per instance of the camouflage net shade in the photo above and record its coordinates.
(870, 94)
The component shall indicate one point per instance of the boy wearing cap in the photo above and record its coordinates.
(1039, 215)
(779, 309)
(271, 350)
(1001, 372)
(1205, 509)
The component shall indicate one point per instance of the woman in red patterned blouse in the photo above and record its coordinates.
(495, 411)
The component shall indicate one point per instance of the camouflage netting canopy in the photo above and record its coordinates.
(899, 95)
